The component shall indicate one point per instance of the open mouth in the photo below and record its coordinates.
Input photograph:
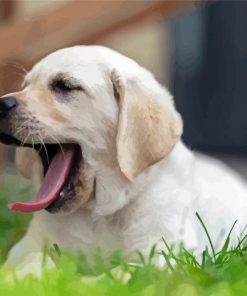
(60, 169)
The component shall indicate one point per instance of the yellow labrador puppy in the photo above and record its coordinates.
(102, 146)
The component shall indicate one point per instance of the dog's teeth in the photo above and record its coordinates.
(62, 193)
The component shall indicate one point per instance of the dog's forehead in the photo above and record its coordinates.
(78, 61)
(73, 57)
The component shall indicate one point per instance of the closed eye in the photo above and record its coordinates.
(64, 86)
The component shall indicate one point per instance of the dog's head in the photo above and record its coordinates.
(91, 107)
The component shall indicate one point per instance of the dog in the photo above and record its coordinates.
(100, 139)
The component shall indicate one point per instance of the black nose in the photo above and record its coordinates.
(6, 104)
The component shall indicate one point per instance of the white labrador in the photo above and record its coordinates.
(121, 178)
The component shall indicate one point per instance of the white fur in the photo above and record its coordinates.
(162, 200)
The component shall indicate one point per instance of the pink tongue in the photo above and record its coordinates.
(53, 182)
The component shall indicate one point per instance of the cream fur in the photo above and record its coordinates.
(169, 182)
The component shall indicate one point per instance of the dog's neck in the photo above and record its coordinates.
(111, 186)
(114, 191)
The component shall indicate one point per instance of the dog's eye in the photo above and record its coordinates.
(61, 86)
(64, 86)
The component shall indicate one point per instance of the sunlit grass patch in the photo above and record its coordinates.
(73, 275)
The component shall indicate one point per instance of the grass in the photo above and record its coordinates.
(12, 225)
(218, 272)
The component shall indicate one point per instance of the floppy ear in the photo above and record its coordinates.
(148, 124)
(29, 165)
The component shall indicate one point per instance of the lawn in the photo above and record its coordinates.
(218, 272)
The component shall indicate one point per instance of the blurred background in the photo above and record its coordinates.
(198, 49)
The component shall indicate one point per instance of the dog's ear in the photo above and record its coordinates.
(29, 165)
(148, 124)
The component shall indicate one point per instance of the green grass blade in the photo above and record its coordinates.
(223, 251)
(141, 257)
(167, 260)
(170, 251)
(151, 254)
(207, 234)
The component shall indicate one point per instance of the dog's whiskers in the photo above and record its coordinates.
(43, 144)
(59, 144)
(22, 127)
(23, 142)
(16, 65)
(19, 130)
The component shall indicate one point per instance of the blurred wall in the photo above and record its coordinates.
(28, 8)
(143, 42)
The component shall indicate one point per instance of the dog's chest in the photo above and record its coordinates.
(79, 231)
